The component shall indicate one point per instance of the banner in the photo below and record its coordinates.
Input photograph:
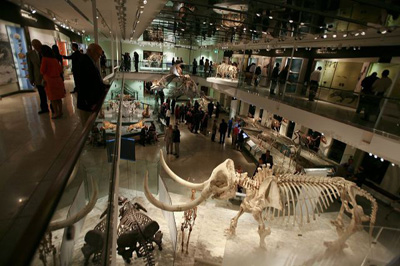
(19, 50)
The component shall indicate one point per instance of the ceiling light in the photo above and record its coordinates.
(54, 18)
(316, 37)
(182, 29)
(363, 33)
(210, 23)
(334, 35)
(370, 154)
(258, 14)
(375, 156)
(290, 21)
(83, 31)
(383, 31)
(270, 17)
(97, 17)
(244, 28)
(382, 160)
(356, 34)
(144, 2)
(393, 164)
(344, 35)
(204, 22)
(141, 11)
(33, 11)
(138, 22)
(321, 27)
(302, 23)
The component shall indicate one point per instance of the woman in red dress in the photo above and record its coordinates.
(54, 85)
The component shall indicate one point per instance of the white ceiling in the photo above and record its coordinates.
(67, 14)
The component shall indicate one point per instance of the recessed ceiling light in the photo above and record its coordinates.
(334, 35)
(375, 156)
(54, 18)
(138, 22)
(363, 33)
(316, 37)
(144, 2)
(382, 160)
(356, 34)
(141, 11)
(321, 27)
(83, 31)
(393, 164)
(97, 17)
(324, 36)
(344, 35)
(290, 21)
(258, 14)
(33, 11)
(302, 23)
(270, 17)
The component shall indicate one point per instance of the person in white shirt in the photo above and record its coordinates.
(379, 89)
(314, 83)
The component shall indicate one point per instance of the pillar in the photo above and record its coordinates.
(234, 107)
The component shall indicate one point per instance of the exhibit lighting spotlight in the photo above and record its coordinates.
(363, 33)
(258, 14)
(382, 160)
(290, 20)
(324, 36)
(270, 17)
(334, 35)
(33, 11)
(302, 23)
(144, 2)
(393, 164)
(344, 35)
(356, 34)
(370, 154)
(54, 18)
(375, 156)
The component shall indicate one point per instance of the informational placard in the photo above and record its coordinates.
(19, 50)
(169, 216)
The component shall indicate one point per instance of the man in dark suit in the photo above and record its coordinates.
(136, 59)
(90, 84)
(75, 56)
(34, 59)
(222, 131)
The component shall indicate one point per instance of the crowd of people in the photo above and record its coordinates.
(46, 73)
(148, 134)
(204, 66)
(127, 61)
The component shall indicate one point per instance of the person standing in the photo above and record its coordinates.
(267, 159)
(173, 61)
(257, 76)
(173, 102)
(194, 66)
(206, 67)
(34, 59)
(176, 138)
(103, 61)
(230, 124)
(168, 139)
(240, 139)
(314, 83)
(183, 111)
(162, 96)
(59, 58)
(379, 89)
(366, 90)
(214, 130)
(210, 108)
(217, 110)
(167, 116)
(274, 79)
(235, 134)
(143, 136)
(222, 131)
(74, 57)
(177, 113)
(282, 79)
(91, 88)
(136, 59)
(54, 85)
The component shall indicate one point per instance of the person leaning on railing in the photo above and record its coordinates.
(314, 83)
(90, 84)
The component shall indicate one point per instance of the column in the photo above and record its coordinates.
(257, 113)
(234, 107)
(244, 108)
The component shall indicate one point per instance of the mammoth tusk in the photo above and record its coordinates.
(179, 179)
(53, 226)
(171, 208)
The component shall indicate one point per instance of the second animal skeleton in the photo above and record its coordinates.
(265, 192)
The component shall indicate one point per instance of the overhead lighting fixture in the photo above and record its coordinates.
(356, 34)
(54, 18)
(258, 14)
(382, 31)
(363, 33)
(182, 29)
(33, 11)
(324, 36)
(144, 2)
(141, 11)
(393, 164)
(290, 21)
(302, 23)
(382, 160)
(204, 22)
(97, 17)
(138, 22)
(83, 31)
(270, 17)
(334, 35)
(370, 154)
(375, 156)
(316, 37)
(321, 27)
(345, 35)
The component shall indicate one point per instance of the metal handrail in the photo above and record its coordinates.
(26, 246)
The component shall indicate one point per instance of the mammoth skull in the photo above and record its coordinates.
(220, 185)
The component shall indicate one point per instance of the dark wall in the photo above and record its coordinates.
(12, 13)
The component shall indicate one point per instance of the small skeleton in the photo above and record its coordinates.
(189, 218)
(225, 70)
(137, 232)
(138, 125)
(108, 125)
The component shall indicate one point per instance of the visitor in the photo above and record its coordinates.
(222, 131)
(91, 88)
(143, 136)
(54, 85)
(194, 66)
(211, 69)
(75, 57)
(59, 58)
(204, 123)
(201, 63)
(177, 113)
(176, 138)
(235, 134)
(196, 105)
(136, 60)
(182, 112)
(206, 67)
(314, 83)
(103, 61)
(173, 102)
(217, 110)
(257, 76)
(167, 116)
(240, 140)
(366, 85)
(173, 61)
(379, 89)
(210, 108)
(152, 132)
(230, 124)
(168, 139)
(282, 79)
(274, 79)
(214, 130)
(267, 159)
(162, 96)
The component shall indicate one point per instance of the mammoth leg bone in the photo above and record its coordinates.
(232, 228)
(188, 239)
(262, 231)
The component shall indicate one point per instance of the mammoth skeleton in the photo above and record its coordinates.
(226, 71)
(278, 194)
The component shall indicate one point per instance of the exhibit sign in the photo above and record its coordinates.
(19, 50)
(7, 67)
(169, 216)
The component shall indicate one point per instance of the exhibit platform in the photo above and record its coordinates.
(222, 81)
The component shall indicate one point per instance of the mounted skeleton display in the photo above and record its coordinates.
(189, 218)
(227, 71)
(281, 194)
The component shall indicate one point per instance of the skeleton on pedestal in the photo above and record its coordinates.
(189, 218)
